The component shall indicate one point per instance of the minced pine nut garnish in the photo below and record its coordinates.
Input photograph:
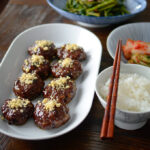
(16, 103)
(26, 68)
(71, 47)
(26, 62)
(43, 44)
(27, 78)
(2, 117)
(21, 110)
(37, 60)
(50, 104)
(67, 62)
(60, 82)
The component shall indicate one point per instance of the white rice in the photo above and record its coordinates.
(133, 92)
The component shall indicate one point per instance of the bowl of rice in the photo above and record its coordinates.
(133, 100)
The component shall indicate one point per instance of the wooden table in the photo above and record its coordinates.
(22, 14)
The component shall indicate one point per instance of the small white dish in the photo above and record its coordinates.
(134, 31)
(125, 119)
(10, 70)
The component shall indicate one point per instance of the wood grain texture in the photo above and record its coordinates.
(3, 3)
(29, 2)
(22, 14)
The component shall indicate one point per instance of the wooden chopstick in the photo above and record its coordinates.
(107, 129)
(110, 131)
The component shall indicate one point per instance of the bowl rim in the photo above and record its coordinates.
(114, 31)
(102, 99)
(144, 4)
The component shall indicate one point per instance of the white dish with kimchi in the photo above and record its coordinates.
(134, 36)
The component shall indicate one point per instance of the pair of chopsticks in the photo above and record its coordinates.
(107, 130)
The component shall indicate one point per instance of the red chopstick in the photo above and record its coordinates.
(107, 129)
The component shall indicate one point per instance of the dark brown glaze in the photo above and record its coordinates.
(17, 116)
(43, 70)
(78, 54)
(29, 91)
(45, 119)
(73, 71)
(64, 94)
(48, 54)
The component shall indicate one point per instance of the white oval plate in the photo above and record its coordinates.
(11, 65)
(134, 31)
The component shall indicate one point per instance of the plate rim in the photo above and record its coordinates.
(17, 136)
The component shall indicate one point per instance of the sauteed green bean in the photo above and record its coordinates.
(96, 7)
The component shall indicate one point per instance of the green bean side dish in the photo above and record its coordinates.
(96, 7)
